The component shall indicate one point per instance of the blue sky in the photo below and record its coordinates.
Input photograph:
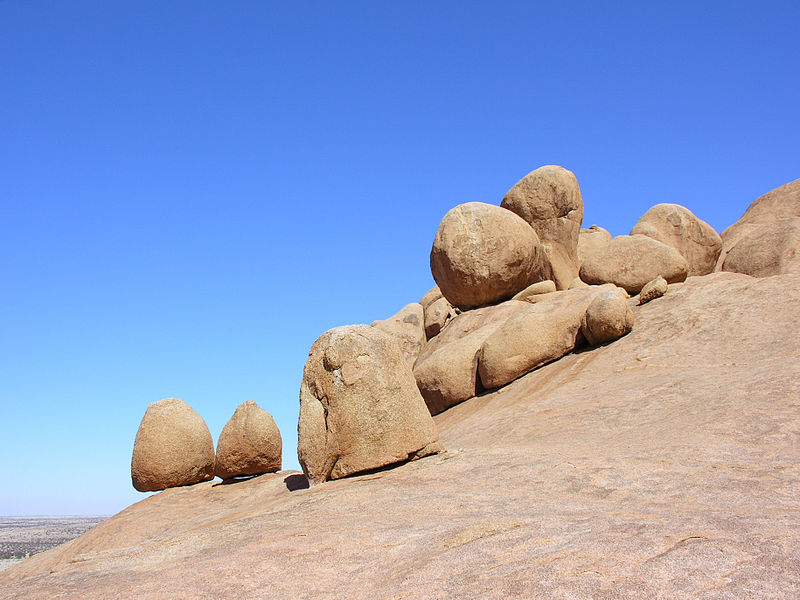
(192, 192)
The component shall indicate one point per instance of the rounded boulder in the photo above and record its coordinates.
(608, 317)
(250, 443)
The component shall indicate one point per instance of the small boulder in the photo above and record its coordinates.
(630, 261)
(360, 408)
(173, 447)
(408, 329)
(608, 317)
(677, 226)
(578, 283)
(447, 368)
(431, 296)
(437, 315)
(483, 254)
(590, 241)
(250, 443)
(653, 289)
(768, 249)
(535, 289)
(549, 198)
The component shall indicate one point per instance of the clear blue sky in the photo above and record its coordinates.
(192, 192)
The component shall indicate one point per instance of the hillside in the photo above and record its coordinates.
(663, 465)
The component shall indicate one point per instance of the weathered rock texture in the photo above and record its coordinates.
(483, 254)
(447, 368)
(536, 289)
(769, 209)
(653, 289)
(678, 227)
(630, 261)
(437, 315)
(250, 443)
(360, 408)
(662, 466)
(408, 329)
(591, 241)
(549, 198)
(608, 317)
(173, 447)
(765, 250)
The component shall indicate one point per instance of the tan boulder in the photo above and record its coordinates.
(483, 254)
(437, 315)
(549, 198)
(630, 261)
(608, 317)
(766, 250)
(780, 203)
(408, 329)
(590, 241)
(535, 289)
(360, 408)
(447, 368)
(653, 289)
(676, 226)
(578, 283)
(250, 443)
(538, 334)
(431, 296)
(173, 447)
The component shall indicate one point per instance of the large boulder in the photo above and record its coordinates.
(590, 241)
(547, 329)
(408, 329)
(676, 226)
(630, 261)
(549, 198)
(250, 443)
(781, 203)
(483, 254)
(173, 447)
(765, 250)
(360, 408)
(608, 317)
(447, 368)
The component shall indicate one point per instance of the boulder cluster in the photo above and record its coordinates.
(518, 286)
(174, 447)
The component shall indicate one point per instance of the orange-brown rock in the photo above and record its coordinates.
(653, 289)
(483, 254)
(765, 250)
(676, 226)
(408, 329)
(437, 315)
(549, 198)
(664, 465)
(630, 261)
(536, 289)
(360, 408)
(173, 447)
(250, 443)
(608, 317)
(590, 241)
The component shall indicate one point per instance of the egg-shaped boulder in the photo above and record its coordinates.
(250, 443)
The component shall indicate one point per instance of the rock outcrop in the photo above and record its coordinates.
(630, 261)
(608, 317)
(676, 226)
(549, 198)
(250, 443)
(360, 408)
(483, 254)
(591, 241)
(408, 329)
(653, 289)
(173, 447)
(766, 250)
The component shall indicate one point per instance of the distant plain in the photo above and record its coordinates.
(21, 537)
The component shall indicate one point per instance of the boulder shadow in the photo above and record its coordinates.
(295, 482)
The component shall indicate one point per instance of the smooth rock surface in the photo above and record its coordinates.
(535, 289)
(408, 329)
(360, 408)
(766, 250)
(662, 466)
(608, 317)
(676, 226)
(483, 254)
(653, 289)
(250, 443)
(437, 315)
(173, 447)
(590, 241)
(431, 296)
(630, 261)
(549, 198)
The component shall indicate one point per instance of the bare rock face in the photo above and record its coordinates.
(608, 317)
(590, 241)
(536, 289)
(359, 406)
(408, 329)
(630, 261)
(437, 315)
(447, 368)
(653, 289)
(549, 198)
(541, 333)
(173, 447)
(765, 250)
(250, 443)
(483, 254)
(781, 203)
(676, 226)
